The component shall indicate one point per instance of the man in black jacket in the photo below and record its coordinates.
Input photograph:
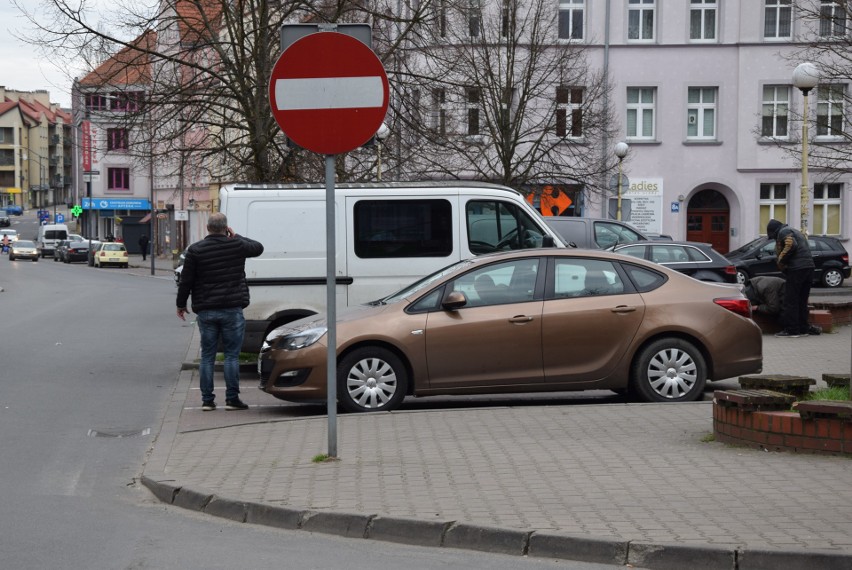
(797, 264)
(214, 274)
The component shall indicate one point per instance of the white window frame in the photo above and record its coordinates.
(641, 9)
(641, 108)
(782, 10)
(831, 102)
(773, 202)
(572, 10)
(832, 15)
(568, 110)
(703, 9)
(776, 107)
(824, 203)
(697, 111)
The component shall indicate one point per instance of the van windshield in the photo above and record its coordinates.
(55, 234)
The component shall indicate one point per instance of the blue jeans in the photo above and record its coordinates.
(230, 326)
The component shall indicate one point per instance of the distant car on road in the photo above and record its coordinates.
(13, 210)
(13, 234)
(5, 220)
(111, 253)
(524, 321)
(696, 259)
(78, 251)
(23, 249)
(757, 257)
(59, 250)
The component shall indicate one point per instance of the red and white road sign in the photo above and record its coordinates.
(329, 92)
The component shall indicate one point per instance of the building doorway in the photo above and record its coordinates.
(708, 218)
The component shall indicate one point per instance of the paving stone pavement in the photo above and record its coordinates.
(619, 482)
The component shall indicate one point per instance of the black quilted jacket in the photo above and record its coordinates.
(214, 273)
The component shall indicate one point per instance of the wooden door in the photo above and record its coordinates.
(709, 226)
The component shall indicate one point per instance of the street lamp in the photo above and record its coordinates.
(621, 150)
(381, 135)
(805, 78)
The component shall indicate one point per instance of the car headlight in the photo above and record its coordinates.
(301, 339)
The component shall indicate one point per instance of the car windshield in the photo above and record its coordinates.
(10, 233)
(24, 243)
(417, 286)
(749, 246)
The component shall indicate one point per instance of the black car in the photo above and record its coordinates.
(696, 259)
(5, 220)
(78, 251)
(757, 257)
(59, 250)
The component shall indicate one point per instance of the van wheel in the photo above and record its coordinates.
(669, 370)
(371, 379)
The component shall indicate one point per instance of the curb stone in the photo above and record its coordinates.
(671, 556)
(352, 525)
(578, 548)
(274, 516)
(408, 531)
(487, 538)
(761, 559)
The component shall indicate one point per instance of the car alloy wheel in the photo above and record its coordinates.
(669, 370)
(832, 278)
(742, 277)
(371, 379)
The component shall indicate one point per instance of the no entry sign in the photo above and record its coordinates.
(329, 92)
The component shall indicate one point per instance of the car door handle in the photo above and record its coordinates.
(623, 309)
(520, 319)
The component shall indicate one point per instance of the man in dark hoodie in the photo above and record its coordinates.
(766, 295)
(797, 264)
(214, 274)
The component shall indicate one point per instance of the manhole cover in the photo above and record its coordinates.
(119, 434)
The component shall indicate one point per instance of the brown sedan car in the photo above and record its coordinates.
(527, 321)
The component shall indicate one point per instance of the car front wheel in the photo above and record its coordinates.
(832, 278)
(371, 379)
(742, 277)
(669, 370)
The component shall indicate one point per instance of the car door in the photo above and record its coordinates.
(590, 317)
(764, 261)
(495, 339)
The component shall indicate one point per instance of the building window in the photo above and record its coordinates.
(474, 18)
(830, 99)
(569, 112)
(773, 203)
(123, 102)
(117, 139)
(702, 20)
(640, 20)
(571, 19)
(442, 18)
(832, 19)
(473, 99)
(640, 112)
(701, 113)
(827, 209)
(118, 179)
(96, 102)
(507, 23)
(776, 106)
(439, 111)
(778, 19)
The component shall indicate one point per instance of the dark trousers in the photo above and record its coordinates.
(794, 313)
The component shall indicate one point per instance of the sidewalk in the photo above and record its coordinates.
(615, 483)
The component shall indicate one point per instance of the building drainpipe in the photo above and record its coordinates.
(605, 146)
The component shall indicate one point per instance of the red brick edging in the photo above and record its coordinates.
(782, 431)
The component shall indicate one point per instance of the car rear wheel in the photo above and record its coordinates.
(669, 370)
(371, 379)
(832, 277)
(742, 277)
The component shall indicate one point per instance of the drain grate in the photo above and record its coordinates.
(119, 434)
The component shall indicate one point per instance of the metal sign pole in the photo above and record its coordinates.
(331, 304)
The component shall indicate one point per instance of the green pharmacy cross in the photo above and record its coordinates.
(76, 210)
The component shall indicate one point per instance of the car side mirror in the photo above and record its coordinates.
(454, 300)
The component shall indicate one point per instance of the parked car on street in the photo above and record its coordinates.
(13, 234)
(111, 253)
(593, 233)
(524, 321)
(13, 210)
(78, 251)
(696, 259)
(757, 257)
(5, 220)
(23, 249)
(59, 250)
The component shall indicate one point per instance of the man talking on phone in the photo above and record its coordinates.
(214, 275)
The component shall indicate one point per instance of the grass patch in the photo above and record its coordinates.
(709, 438)
(836, 393)
(245, 357)
(323, 458)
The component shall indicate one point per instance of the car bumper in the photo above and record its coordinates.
(297, 375)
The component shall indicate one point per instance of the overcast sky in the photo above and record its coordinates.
(22, 68)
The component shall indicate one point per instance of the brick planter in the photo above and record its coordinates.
(753, 418)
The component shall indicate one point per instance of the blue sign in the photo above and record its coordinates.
(675, 207)
(116, 204)
(60, 219)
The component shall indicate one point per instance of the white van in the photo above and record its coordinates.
(48, 236)
(388, 235)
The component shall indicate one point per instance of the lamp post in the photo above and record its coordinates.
(621, 150)
(805, 78)
(381, 135)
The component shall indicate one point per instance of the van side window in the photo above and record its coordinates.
(609, 234)
(498, 226)
(403, 228)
